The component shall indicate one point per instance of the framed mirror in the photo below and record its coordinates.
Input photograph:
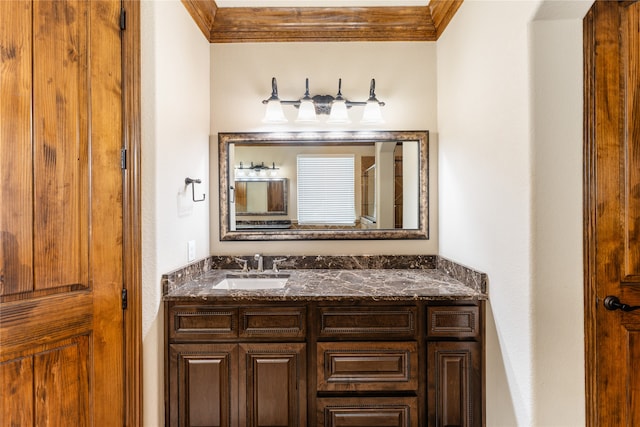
(336, 185)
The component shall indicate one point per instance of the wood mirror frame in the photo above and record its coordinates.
(328, 138)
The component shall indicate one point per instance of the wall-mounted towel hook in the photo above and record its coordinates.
(193, 182)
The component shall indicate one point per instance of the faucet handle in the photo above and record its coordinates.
(259, 261)
(276, 262)
(243, 263)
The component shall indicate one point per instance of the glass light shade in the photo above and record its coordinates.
(307, 111)
(339, 112)
(274, 113)
(372, 113)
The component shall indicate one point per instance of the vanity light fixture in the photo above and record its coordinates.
(310, 106)
(259, 170)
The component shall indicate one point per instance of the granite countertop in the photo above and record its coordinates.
(436, 279)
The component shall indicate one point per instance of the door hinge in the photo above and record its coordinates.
(123, 158)
(124, 299)
(123, 19)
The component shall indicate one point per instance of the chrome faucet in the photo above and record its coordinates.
(260, 266)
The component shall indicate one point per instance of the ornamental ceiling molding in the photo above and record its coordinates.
(289, 24)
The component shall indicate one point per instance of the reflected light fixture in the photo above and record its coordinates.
(257, 170)
(310, 106)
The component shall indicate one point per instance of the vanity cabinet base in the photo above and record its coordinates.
(330, 364)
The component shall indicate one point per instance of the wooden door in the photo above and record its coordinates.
(61, 232)
(612, 213)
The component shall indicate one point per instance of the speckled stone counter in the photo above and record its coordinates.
(373, 278)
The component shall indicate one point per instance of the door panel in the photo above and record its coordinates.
(612, 211)
(60, 143)
(61, 384)
(16, 403)
(630, 40)
(16, 189)
(61, 321)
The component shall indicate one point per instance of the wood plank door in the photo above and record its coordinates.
(61, 229)
(612, 213)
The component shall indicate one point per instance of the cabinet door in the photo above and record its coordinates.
(273, 385)
(368, 412)
(203, 385)
(454, 384)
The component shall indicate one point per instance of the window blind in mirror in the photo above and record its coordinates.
(326, 187)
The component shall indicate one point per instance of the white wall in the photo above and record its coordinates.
(509, 121)
(557, 297)
(405, 76)
(175, 143)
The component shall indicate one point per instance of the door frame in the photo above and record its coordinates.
(133, 225)
(589, 201)
(132, 222)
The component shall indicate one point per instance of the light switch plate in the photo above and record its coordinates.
(191, 250)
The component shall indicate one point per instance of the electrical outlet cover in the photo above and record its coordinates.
(191, 251)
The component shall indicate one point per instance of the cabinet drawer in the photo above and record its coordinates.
(200, 323)
(362, 366)
(453, 322)
(367, 321)
(368, 412)
(276, 322)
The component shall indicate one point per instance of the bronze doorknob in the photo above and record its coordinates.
(613, 303)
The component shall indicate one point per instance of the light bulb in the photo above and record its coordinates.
(339, 112)
(274, 113)
(372, 113)
(307, 111)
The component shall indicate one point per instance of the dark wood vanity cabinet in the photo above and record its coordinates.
(356, 364)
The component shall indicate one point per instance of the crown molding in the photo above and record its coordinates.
(287, 24)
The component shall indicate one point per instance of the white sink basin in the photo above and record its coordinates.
(253, 282)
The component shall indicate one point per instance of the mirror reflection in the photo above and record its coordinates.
(261, 196)
(351, 185)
